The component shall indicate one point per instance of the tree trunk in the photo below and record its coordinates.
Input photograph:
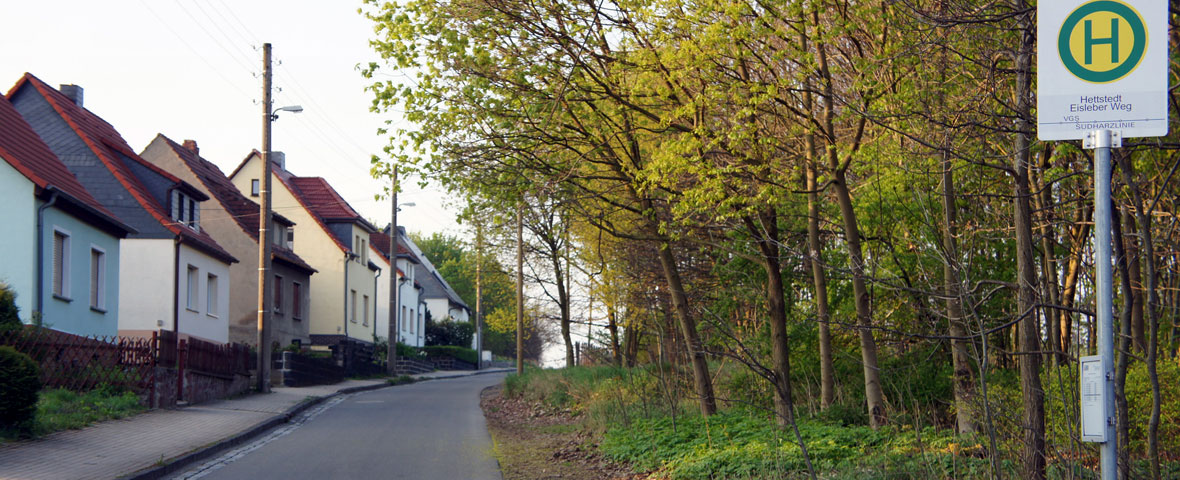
(1147, 253)
(874, 396)
(702, 380)
(827, 371)
(1033, 397)
(768, 246)
(1124, 345)
(612, 326)
(1045, 204)
(964, 375)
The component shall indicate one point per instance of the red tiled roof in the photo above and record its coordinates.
(107, 144)
(323, 199)
(381, 240)
(29, 155)
(243, 210)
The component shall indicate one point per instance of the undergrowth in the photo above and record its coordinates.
(60, 409)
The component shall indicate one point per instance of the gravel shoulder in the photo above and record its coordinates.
(533, 442)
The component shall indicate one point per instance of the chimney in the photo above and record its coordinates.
(279, 159)
(74, 93)
(191, 145)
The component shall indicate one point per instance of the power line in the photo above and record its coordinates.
(237, 60)
(194, 50)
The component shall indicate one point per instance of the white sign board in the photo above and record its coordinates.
(1093, 399)
(1102, 65)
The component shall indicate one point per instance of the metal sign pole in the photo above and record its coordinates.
(1101, 141)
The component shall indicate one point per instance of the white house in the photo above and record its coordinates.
(172, 274)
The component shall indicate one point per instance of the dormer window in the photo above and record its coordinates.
(186, 210)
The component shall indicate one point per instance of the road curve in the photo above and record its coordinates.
(427, 430)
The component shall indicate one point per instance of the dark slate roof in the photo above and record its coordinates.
(22, 148)
(243, 210)
(128, 169)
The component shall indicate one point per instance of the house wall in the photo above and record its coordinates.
(360, 278)
(243, 300)
(285, 327)
(197, 319)
(18, 263)
(381, 325)
(146, 283)
(76, 315)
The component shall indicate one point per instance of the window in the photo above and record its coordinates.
(296, 300)
(98, 272)
(366, 310)
(186, 210)
(290, 238)
(364, 251)
(61, 264)
(356, 246)
(353, 316)
(191, 300)
(278, 294)
(211, 295)
(254, 187)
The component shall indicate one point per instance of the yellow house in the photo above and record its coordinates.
(333, 239)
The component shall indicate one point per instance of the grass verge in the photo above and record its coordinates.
(59, 409)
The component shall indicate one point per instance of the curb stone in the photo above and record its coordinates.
(177, 464)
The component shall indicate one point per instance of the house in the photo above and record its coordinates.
(412, 310)
(441, 301)
(172, 274)
(232, 220)
(332, 238)
(61, 246)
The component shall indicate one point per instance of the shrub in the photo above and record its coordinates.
(19, 384)
(9, 312)
(449, 332)
(461, 353)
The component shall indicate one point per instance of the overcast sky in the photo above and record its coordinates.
(191, 69)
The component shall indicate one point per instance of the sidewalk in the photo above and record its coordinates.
(159, 442)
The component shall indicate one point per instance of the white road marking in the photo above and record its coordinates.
(235, 454)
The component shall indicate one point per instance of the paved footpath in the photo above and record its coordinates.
(154, 444)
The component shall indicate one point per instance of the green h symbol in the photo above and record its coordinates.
(1112, 40)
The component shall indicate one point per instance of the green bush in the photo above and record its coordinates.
(449, 332)
(9, 312)
(461, 353)
(19, 384)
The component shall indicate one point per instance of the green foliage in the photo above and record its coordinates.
(449, 332)
(461, 353)
(9, 312)
(61, 409)
(19, 384)
(738, 444)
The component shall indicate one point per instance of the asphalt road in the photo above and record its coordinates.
(427, 430)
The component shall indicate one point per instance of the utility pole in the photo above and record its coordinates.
(264, 294)
(394, 284)
(520, 288)
(478, 294)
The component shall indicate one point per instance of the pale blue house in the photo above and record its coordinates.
(60, 247)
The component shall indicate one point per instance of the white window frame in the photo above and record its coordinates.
(352, 315)
(192, 288)
(211, 295)
(64, 274)
(365, 314)
(98, 279)
(255, 187)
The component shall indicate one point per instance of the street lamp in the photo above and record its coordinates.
(264, 240)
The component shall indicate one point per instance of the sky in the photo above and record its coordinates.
(192, 69)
